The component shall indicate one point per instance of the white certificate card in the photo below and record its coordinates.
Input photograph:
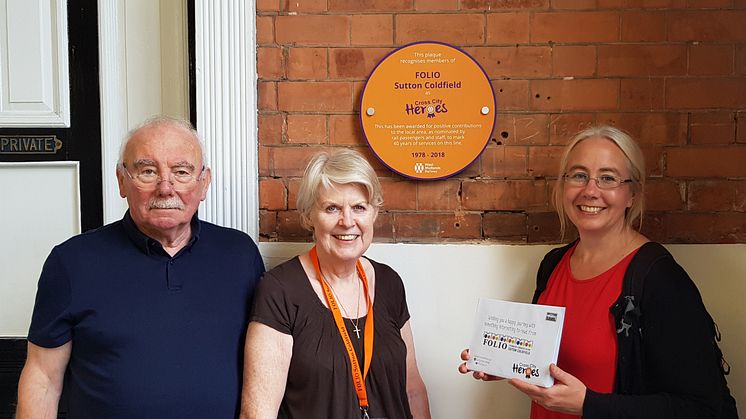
(516, 340)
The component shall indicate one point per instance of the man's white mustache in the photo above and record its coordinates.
(166, 203)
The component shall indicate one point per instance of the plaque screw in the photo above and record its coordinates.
(485, 110)
(370, 111)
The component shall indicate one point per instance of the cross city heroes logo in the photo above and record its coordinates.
(429, 107)
(526, 370)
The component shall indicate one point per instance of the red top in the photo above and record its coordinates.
(589, 347)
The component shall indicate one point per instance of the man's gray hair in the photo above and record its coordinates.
(162, 120)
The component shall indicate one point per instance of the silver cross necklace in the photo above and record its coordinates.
(356, 321)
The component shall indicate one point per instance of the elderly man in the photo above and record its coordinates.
(146, 314)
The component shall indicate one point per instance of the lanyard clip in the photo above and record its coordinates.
(364, 412)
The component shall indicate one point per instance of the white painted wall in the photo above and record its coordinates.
(143, 53)
(156, 56)
(143, 61)
(443, 284)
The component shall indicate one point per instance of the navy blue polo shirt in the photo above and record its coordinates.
(153, 336)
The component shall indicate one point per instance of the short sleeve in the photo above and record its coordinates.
(257, 263)
(51, 322)
(272, 304)
(392, 288)
(403, 311)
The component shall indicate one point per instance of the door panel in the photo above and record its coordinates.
(34, 89)
(30, 231)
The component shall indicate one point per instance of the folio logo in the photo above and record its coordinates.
(504, 341)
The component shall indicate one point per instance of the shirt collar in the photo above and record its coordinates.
(146, 244)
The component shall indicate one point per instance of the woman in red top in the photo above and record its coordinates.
(600, 191)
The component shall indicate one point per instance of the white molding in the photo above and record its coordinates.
(113, 84)
(50, 105)
(226, 110)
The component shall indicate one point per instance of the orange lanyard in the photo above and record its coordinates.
(357, 379)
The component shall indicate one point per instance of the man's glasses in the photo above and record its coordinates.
(147, 178)
(603, 181)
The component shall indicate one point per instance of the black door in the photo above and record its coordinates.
(81, 142)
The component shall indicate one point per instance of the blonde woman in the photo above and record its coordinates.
(329, 335)
(637, 340)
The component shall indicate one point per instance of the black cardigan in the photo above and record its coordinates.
(668, 363)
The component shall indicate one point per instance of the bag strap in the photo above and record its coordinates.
(633, 284)
(634, 279)
(550, 261)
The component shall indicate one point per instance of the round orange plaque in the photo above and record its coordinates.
(427, 110)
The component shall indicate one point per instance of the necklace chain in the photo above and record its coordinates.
(356, 320)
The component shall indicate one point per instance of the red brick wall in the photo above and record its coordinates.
(670, 72)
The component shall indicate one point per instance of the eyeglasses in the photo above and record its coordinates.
(602, 181)
(180, 178)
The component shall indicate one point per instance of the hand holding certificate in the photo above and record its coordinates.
(516, 340)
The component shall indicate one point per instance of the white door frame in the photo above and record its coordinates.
(226, 106)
